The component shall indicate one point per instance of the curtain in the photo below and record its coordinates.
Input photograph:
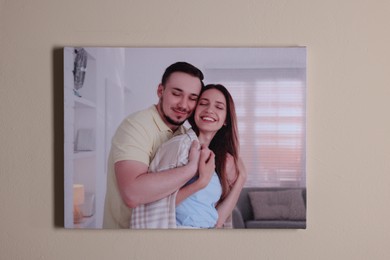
(271, 114)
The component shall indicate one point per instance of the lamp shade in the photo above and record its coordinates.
(78, 194)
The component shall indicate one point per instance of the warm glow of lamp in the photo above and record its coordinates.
(78, 200)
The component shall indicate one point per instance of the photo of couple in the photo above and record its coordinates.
(220, 145)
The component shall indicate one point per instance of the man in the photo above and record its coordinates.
(137, 140)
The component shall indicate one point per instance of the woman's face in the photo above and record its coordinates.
(210, 113)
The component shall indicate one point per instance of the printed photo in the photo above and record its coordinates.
(185, 138)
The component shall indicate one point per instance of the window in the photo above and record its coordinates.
(271, 124)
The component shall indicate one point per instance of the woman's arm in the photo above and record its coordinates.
(226, 207)
(206, 170)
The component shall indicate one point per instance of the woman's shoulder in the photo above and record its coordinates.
(231, 168)
(230, 160)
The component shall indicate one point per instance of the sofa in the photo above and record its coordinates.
(259, 207)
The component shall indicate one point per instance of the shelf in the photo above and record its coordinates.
(81, 122)
(81, 102)
(87, 222)
(83, 154)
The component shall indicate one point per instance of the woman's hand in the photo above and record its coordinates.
(206, 163)
(193, 157)
(206, 166)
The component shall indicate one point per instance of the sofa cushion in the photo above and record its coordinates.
(294, 224)
(278, 205)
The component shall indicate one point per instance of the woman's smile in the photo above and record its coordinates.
(208, 119)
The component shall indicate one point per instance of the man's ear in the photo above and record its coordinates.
(160, 90)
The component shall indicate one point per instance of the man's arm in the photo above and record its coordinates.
(137, 186)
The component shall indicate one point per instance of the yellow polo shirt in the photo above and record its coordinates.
(137, 138)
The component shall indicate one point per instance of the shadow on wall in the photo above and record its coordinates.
(58, 133)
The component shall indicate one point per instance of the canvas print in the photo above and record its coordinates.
(185, 138)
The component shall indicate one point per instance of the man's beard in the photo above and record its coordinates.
(170, 120)
(173, 122)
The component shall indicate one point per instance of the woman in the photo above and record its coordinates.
(206, 201)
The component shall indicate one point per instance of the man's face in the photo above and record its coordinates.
(178, 98)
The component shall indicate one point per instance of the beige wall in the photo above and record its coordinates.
(348, 161)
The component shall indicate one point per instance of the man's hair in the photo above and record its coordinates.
(184, 67)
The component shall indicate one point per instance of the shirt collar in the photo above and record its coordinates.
(191, 134)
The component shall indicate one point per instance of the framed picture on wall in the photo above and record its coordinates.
(132, 114)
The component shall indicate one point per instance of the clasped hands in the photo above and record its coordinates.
(202, 159)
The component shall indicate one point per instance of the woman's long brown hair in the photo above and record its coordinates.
(225, 140)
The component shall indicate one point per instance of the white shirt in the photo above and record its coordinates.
(162, 213)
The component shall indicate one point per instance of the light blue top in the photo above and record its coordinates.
(199, 210)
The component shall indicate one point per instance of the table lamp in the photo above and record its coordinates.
(78, 200)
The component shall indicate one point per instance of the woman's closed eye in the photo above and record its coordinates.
(220, 107)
